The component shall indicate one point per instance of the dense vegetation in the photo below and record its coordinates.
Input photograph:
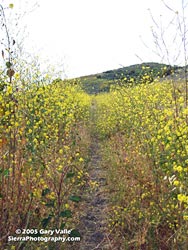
(138, 118)
(42, 158)
(44, 141)
(139, 73)
(145, 151)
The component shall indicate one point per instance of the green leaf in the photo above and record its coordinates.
(46, 221)
(8, 64)
(75, 233)
(70, 175)
(45, 191)
(66, 214)
(62, 226)
(50, 203)
(6, 172)
(74, 198)
(74, 142)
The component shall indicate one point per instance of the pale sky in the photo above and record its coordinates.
(92, 36)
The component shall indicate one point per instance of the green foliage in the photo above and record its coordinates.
(139, 73)
(75, 233)
(45, 191)
(70, 174)
(46, 221)
(74, 198)
(66, 214)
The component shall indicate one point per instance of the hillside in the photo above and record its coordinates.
(101, 82)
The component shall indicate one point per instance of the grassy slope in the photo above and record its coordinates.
(101, 82)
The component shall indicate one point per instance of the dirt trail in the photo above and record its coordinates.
(93, 221)
(93, 226)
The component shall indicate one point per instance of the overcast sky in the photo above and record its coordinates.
(92, 36)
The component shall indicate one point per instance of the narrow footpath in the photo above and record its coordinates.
(93, 220)
(93, 226)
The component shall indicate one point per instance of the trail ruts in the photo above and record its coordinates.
(93, 220)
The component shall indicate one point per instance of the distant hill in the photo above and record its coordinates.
(145, 72)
